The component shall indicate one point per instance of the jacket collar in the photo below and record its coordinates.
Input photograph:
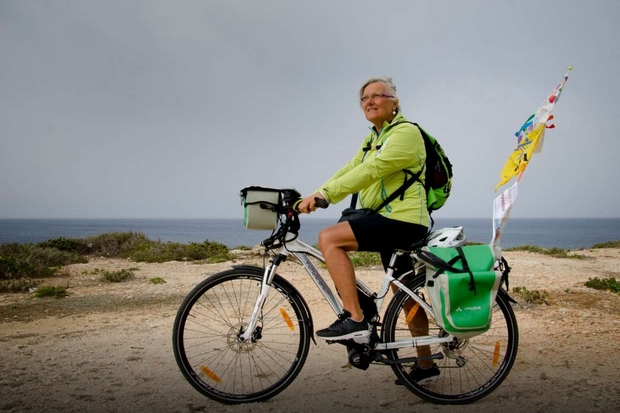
(386, 125)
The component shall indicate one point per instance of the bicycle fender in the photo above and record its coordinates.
(307, 317)
(504, 293)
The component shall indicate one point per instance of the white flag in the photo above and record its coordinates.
(502, 205)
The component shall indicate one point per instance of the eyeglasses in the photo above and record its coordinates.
(374, 96)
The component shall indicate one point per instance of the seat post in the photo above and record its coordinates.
(395, 255)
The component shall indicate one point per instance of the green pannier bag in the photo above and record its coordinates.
(462, 285)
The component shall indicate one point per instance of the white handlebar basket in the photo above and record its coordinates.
(260, 207)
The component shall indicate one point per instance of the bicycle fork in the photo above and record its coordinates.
(268, 275)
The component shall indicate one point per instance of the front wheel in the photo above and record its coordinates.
(470, 369)
(216, 362)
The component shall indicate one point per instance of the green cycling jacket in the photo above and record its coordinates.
(378, 172)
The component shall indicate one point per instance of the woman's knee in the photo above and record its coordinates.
(326, 238)
(337, 236)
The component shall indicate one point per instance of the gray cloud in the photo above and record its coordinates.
(166, 109)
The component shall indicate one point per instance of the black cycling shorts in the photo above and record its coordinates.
(379, 234)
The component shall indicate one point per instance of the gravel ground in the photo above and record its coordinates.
(107, 347)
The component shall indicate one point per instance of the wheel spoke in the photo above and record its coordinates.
(206, 338)
(471, 368)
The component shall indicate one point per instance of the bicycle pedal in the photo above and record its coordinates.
(350, 341)
(343, 342)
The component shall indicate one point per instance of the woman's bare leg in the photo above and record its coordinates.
(334, 242)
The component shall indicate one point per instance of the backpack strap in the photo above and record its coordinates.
(406, 183)
(425, 139)
(354, 196)
(428, 148)
(399, 192)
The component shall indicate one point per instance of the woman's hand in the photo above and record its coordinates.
(308, 204)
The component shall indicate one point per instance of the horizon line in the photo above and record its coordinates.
(306, 217)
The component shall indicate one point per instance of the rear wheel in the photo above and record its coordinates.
(216, 362)
(470, 368)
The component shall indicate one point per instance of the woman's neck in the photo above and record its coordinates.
(379, 126)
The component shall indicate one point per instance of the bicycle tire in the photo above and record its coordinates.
(470, 369)
(205, 333)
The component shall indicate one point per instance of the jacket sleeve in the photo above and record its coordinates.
(352, 164)
(403, 149)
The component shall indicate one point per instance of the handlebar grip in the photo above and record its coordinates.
(321, 203)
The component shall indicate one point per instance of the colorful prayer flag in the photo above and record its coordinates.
(517, 162)
(530, 136)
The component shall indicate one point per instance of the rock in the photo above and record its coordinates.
(259, 250)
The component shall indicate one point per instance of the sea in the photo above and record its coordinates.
(567, 233)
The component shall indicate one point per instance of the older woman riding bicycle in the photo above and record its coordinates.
(375, 172)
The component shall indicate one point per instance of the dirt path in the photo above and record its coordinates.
(107, 347)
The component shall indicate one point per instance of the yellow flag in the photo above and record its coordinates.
(518, 160)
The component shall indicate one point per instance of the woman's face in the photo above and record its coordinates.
(377, 105)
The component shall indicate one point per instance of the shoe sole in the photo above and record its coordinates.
(354, 335)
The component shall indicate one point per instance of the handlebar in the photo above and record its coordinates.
(288, 209)
(320, 203)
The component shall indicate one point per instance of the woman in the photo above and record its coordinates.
(375, 172)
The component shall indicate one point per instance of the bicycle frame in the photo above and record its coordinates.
(243, 335)
(303, 251)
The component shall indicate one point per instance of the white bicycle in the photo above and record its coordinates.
(243, 335)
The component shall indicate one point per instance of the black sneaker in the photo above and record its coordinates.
(344, 328)
(422, 376)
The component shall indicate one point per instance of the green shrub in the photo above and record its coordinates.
(158, 280)
(606, 284)
(33, 261)
(50, 291)
(28, 261)
(116, 244)
(112, 244)
(610, 244)
(17, 285)
(365, 259)
(528, 248)
(210, 252)
(117, 276)
(533, 296)
(552, 252)
(77, 246)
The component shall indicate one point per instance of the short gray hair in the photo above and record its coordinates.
(387, 81)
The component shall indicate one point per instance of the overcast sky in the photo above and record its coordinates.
(166, 109)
